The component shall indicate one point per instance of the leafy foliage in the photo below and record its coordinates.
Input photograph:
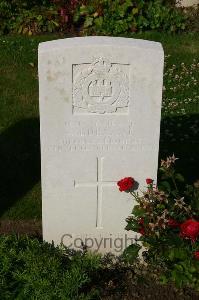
(119, 17)
(93, 17)
(28, 17)
(30, 269)
(37, 20)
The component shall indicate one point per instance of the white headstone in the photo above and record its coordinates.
(100, 105)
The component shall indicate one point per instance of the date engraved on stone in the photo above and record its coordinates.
(100, 87)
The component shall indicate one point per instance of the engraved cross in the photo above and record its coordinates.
(99, 184)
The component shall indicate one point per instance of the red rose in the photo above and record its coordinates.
(196, 255)
(189, 229)
(141, 221)
(142, 230)
(125, 184)
(173, 223)
(149, 181)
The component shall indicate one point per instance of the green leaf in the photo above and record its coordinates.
(20, 29)
(83, 10)
(55, 23)
(177, 253)
(99, 21)
(179, 177)
(25, 30)
(39, 17)
(138, 211)
(135, 10)
(76, 17)
(192, 269)
(31, 64)
(177, 278)
(161, 206)
(131, 252)
(179, 268)
(165, 185)
(163, 279)
(88, 22)
(171, 254)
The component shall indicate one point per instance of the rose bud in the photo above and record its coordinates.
(149, 181)
(173, 223)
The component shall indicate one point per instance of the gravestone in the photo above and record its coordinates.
(100, 105)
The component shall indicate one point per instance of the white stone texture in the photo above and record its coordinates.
(100, 105)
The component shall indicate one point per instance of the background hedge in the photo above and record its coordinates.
(105, 17)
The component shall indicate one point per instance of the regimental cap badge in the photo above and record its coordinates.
(100, 87)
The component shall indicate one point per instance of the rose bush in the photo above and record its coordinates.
(166, 219)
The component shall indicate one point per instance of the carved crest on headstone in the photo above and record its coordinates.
(100, 87)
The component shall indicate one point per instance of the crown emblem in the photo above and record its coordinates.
(100, 88)
(101, 66)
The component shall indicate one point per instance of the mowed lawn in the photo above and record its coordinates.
(20, 190)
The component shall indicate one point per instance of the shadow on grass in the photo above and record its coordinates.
(19, 161)
(180, 135)
(20, 154)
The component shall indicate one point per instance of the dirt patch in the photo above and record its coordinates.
(30, 227)
(122, 286)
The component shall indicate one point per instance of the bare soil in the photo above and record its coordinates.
(29, 227)
(122, 286)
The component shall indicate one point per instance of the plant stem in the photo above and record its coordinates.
(174, 183)
(134, 195)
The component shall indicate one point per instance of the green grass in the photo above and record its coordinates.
(20, 191)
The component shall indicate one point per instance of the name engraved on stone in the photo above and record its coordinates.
(99, 184)
(74, 128)
(100, 87)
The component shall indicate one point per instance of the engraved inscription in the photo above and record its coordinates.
(99, 184)
(100, 87)
(100, 136)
